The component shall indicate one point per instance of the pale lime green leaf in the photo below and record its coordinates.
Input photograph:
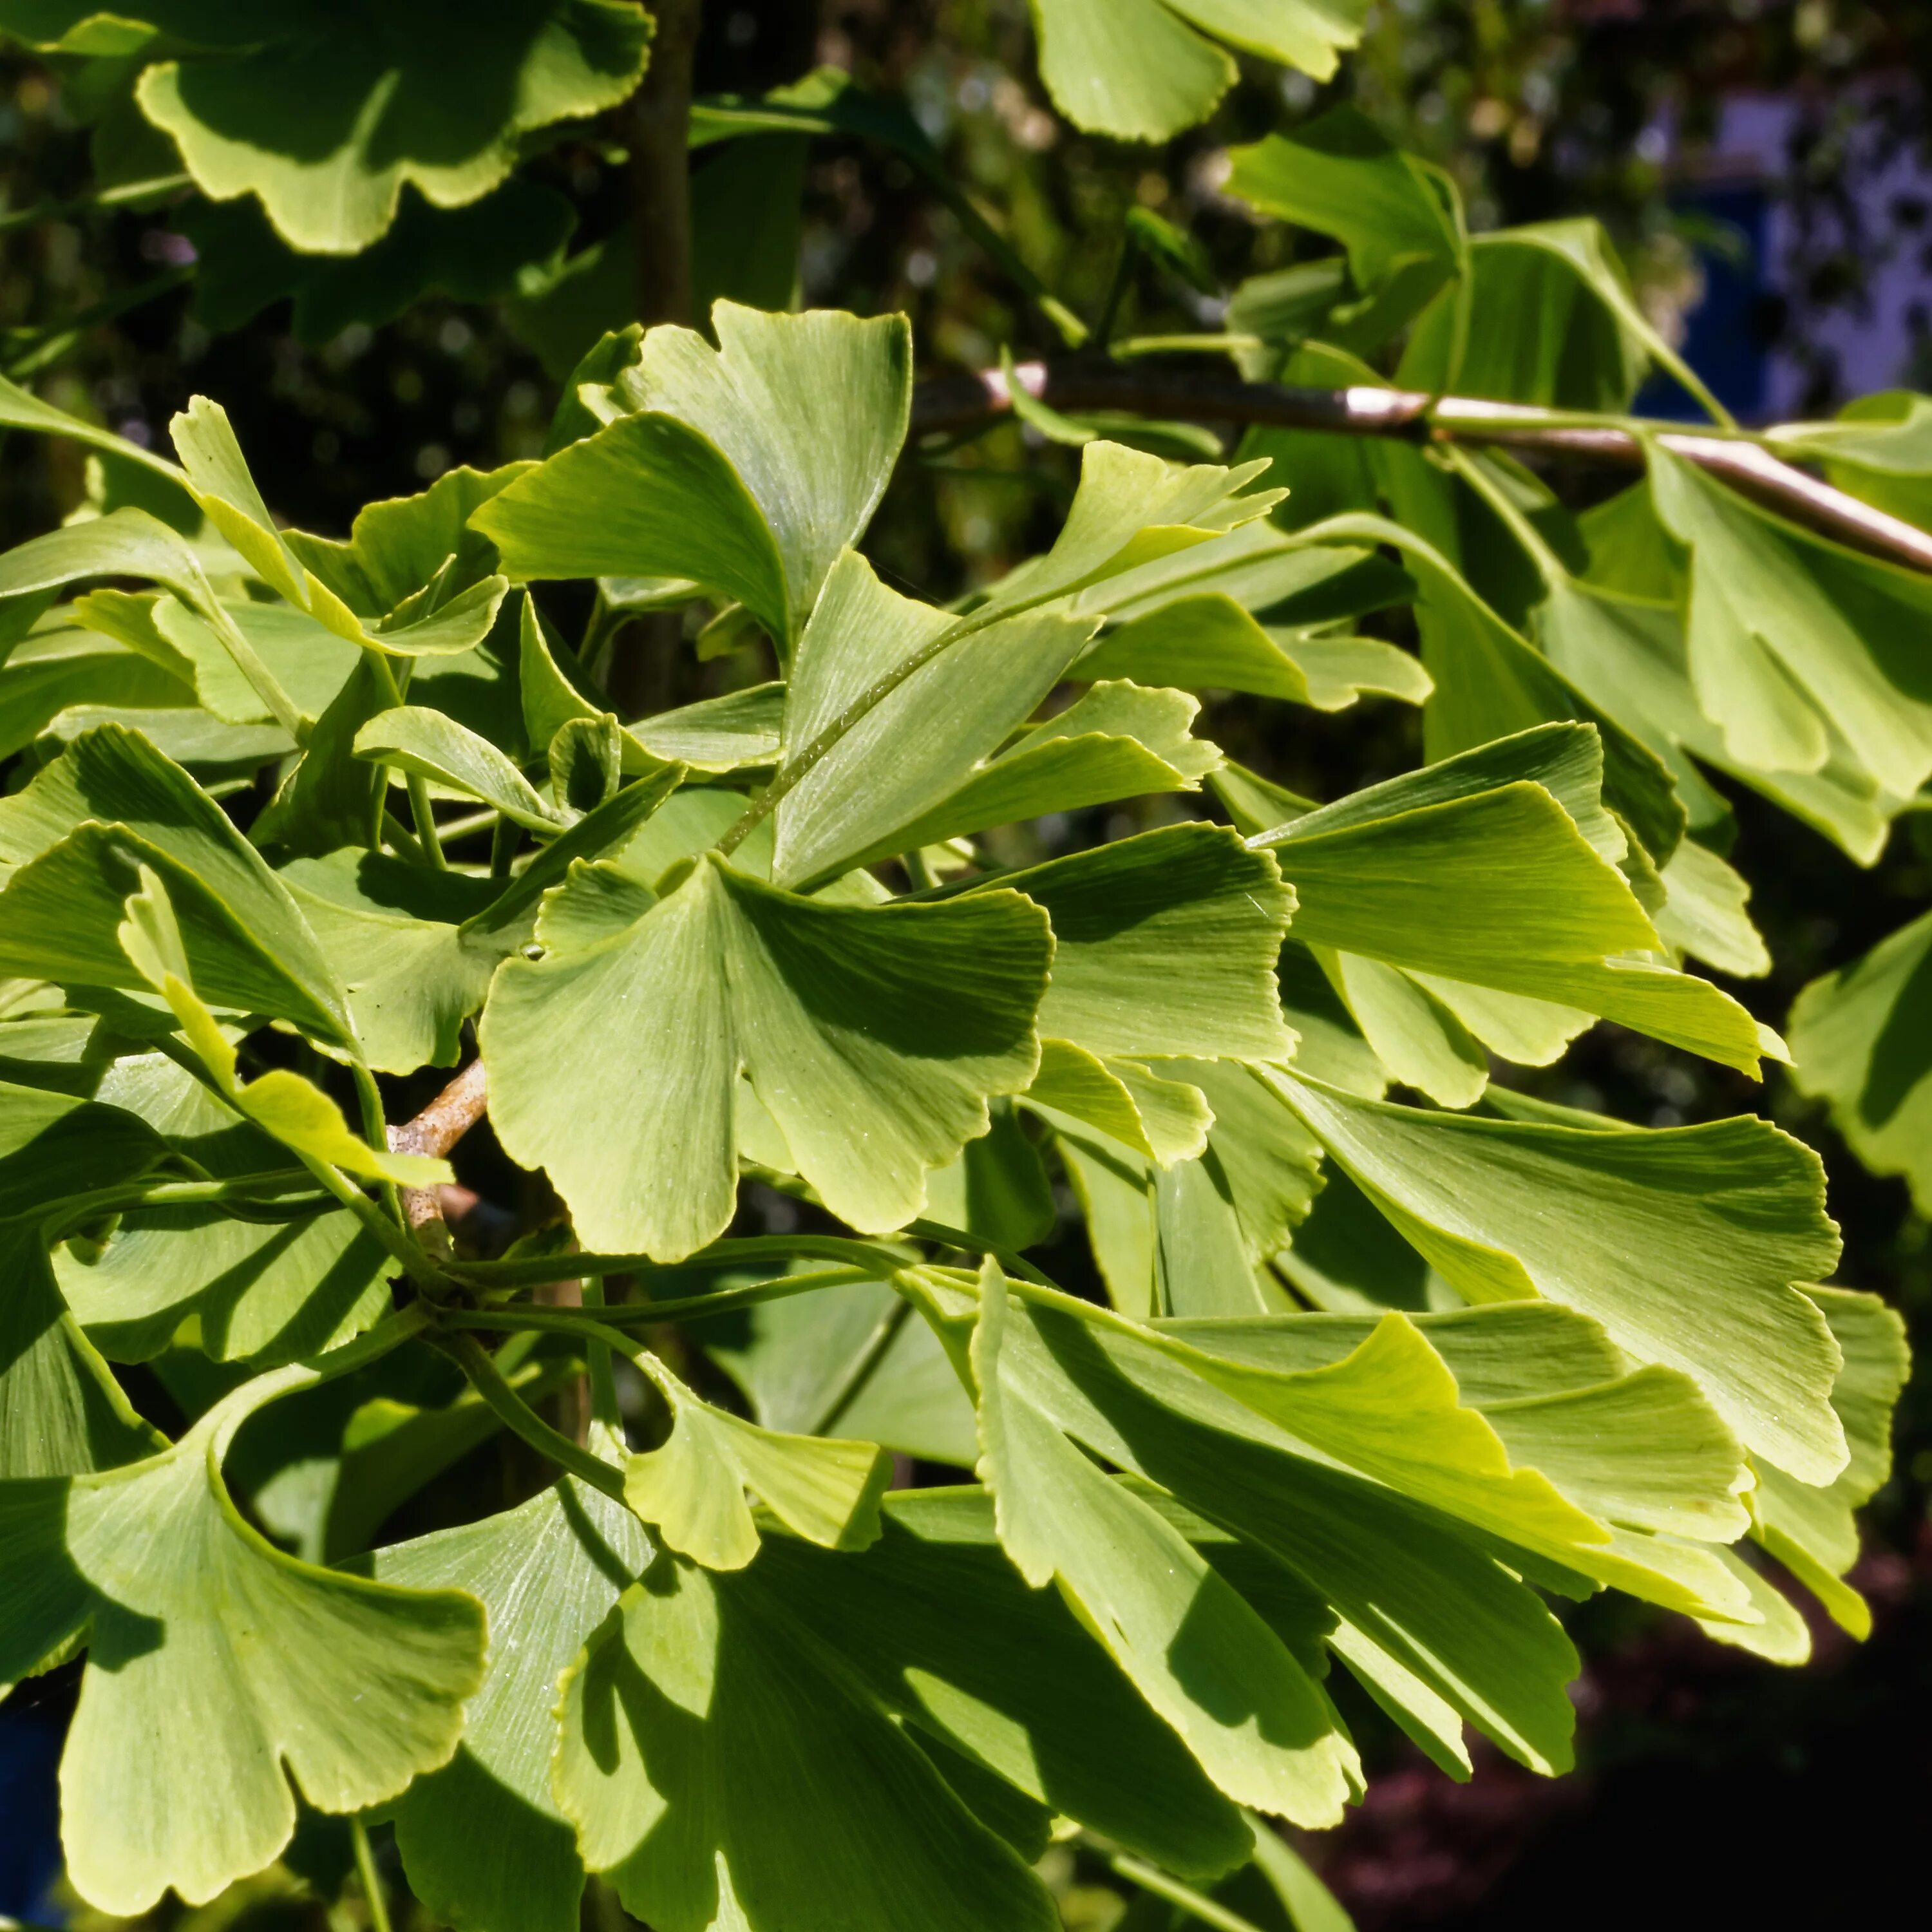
(58, 675)
(692, 1489)
(325, 127)
(268, 1292)
(1392, 212)
(1812, 1532)
(1438, 1633)
(1787, 629)
(1683, 1242)
(749, 468)
(400, 545)
(1210, 642)
(1165, 1120)
(1132, 509)
(482, 1841)
(1707, 913)
(1861, 1040)
(688, 1725)
(393, 933)
(110, 804)
(1638, 1447)
(1490, 682)
(1194, 1647)
(285, 1106)
(1165, 944)
(357, 1687)
(1416, 1035)
(1020, 1688)
(872, 1035)
(716, 734)
(1137, 69)
(413, 739)
(62, 1411)
(1627, 654)
(900, 764)
(1500, 888)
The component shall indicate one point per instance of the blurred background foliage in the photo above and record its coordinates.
(1709, 1782)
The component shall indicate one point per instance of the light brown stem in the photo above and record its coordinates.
(434, 1132)
(956, 402)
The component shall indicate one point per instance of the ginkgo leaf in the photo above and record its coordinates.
(1438, 1632)
(1501, 888)
(688, 1724)
(414, 738)
(218, 474)
(1552, 320)
(284, 1105)
(398, 547)
(1132, 509)
(484, 1846)
(1490, 682)
(1210, 642)
(1786, 629)
(692, 1489)
(1254, 1720)
(325, 117)
(62, 1412)
(264, 1291)
(1639, 1446)
(1861, 1040)
(80, 833)
(1627, 654)
(1811, 1531)
(1165, 944)
(922, 743)
(1142, 72)
(355, 1687)
(393, 932)
(749, 468)
(1022, 1689)
(1725, 1217)
(1392, 212)
(873, 1036)
(53, 1145)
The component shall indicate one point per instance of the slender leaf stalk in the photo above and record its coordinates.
(517, 1416)
(869, 1255)
(1196, 1904)
(372, 1883)
(649, 1314)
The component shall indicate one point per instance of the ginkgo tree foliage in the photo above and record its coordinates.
(1380, 1362)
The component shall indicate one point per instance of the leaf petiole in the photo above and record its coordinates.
(517, 1416)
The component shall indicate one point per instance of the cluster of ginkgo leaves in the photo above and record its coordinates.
(1375, 1380)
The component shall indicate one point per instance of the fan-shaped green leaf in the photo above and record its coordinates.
(749, 468)
(692, 1489)
(1140, 71)
(722, 1766)
(62, 1412)
(1193, 1647)
(1724, 1217)
(873, 1036)
(1787, 629)
(1021, 1688)
(325, 117)
(1812, 1532)
(1861, 1040)
(79, 835)
(231, 1659)
(482, 1841)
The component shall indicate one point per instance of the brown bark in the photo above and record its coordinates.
(956, 402)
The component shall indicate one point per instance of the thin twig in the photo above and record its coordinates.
(434, 1132)
(952, 403)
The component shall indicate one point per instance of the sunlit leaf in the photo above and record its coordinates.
(356, 1686)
